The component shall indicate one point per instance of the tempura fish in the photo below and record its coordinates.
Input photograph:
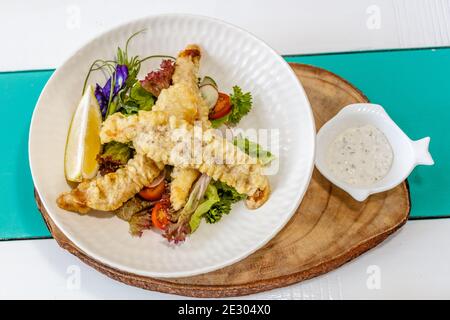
(109, 192)
(155, 134)
(181, 100)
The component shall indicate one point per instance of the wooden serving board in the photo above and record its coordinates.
(328, 229)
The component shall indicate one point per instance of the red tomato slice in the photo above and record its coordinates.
(159, 216)
(222, 107)
(153, 194)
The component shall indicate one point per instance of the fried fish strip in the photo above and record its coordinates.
(186, 75)
(173, 142)
(182, 100)
(182, 181)
(109, 192)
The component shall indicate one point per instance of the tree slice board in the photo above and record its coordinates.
(328, 229)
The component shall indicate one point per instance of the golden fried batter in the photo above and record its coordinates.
(171, 141)
(182, 181)
(109, 192)
(176, 110)
(182, 100)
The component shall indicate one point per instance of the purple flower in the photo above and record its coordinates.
(102, 94)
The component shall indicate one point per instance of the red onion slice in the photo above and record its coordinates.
(158, 179)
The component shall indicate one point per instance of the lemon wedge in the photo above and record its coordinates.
(83, 141)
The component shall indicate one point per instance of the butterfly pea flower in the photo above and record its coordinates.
(103, 94)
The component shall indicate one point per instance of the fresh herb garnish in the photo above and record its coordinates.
(241, 104)
(114, 96)
(227, 195)
(217, 211)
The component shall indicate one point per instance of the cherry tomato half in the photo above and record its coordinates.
(222, 107)
(153, 194)
(159, 216)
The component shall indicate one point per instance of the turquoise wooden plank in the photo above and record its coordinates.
(411, 84)
(19, 217)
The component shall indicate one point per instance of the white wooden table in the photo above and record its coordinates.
(414, 263)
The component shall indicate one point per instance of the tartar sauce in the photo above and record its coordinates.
(360, 156)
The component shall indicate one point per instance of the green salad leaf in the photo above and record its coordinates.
(227, 195)
(142, 97)
(138, 99)
(140, 222)
(217, 201)
(211, 197)
(218, 210)
(241, 105)
(216, 123)
(226, 192)
(114, 156)
(253, 150)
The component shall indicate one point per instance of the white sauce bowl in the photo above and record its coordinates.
(407, 153)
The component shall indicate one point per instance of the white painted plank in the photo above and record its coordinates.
(413, 264)
(42, 34)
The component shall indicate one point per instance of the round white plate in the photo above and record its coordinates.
(231, 56)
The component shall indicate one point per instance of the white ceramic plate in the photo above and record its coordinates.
(231, 56)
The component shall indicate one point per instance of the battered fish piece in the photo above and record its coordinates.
(109, 192)
(182, 181)
(186, 74)
(166, 139)
(182, 100)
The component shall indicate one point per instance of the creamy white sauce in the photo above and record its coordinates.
(360, 156)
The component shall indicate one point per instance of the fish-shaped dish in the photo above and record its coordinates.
(160, 128)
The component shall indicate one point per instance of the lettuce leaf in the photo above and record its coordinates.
(140, 222)
(217, 201)
(253, 150)
(227, 195)
(114, 156)
(138, 99)
(158, 80)
(211, 197)
(142, 97)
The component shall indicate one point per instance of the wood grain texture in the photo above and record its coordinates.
(329, 228)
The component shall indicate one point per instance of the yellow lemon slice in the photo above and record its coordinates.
(83, 141)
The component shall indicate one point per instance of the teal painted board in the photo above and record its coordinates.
(414, 87)
(19, 217)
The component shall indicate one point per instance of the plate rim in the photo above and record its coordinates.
(197, 271)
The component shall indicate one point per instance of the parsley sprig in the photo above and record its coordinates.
(241, 104)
